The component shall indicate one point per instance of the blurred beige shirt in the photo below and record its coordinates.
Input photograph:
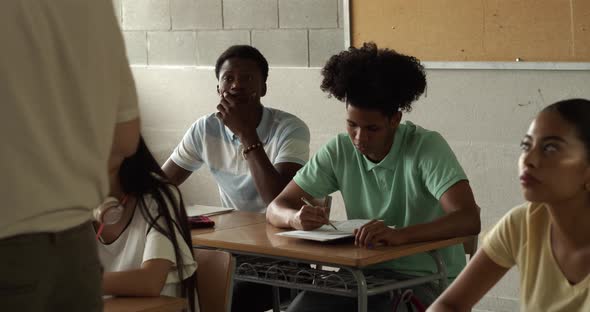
(64, 84)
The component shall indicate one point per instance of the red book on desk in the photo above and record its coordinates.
(198, 222)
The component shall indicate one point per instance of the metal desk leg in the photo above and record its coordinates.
(362, 299)
(276, 299)
(231, 283)
(442, 269)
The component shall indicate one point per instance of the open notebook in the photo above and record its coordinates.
(201, 210)
(327, 233)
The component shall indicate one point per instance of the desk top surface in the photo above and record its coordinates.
(249, 233)
(230, 220)
(144, 304)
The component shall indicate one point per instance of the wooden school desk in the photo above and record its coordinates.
(144, 304)
(266, 258)
(230, 220)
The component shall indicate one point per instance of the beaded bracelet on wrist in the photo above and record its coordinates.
(249, 148)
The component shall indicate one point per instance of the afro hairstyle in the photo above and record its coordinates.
(374, 79)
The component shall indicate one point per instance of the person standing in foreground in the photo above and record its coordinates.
(547, 238)
(68, 99)
(394, 173)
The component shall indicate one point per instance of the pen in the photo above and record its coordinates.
(307, 202)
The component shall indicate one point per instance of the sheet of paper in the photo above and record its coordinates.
(201, 210)
(327, 233)
(314, 235)
(344, 227)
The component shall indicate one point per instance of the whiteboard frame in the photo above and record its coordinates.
(516, 65)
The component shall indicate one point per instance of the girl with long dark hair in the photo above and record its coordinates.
(148, 251)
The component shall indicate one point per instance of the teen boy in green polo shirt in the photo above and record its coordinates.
(397, 173)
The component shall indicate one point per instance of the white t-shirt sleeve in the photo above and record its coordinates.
(158, 246)
(294, 143)
(188, 152)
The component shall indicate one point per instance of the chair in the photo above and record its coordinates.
(214, 279)
(470, 246)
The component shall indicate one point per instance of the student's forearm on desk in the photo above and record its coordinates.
(146, 281)
(461, 218)
(288, 210)
(278, 213)
(454, 224)
(130, 283)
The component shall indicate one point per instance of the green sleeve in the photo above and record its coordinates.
(317, 177)
(438, 165)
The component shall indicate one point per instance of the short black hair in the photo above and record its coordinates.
(577, 113)
(373, 78)
(243, 52)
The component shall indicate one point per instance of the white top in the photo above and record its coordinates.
(285, 138)
(139, 243)
(64, 84)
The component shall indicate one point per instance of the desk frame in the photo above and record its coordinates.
(268, 262)
(274, 273)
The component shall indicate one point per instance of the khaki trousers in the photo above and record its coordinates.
(51, 271)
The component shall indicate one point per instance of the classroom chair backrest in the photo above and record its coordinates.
(214, 279)
(470, 246)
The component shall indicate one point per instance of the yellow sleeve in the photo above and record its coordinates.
(505, 240)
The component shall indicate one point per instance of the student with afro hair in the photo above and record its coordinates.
(393, 172)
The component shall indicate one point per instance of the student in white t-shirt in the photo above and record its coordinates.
(148, 251)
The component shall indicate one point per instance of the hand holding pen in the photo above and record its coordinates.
(307, 202)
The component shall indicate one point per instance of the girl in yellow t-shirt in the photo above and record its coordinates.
(548, 239)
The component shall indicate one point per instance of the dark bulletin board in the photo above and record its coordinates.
(476, 30)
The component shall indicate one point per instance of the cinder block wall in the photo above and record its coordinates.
(299, 33)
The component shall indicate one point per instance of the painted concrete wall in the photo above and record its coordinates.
(482, 113)
(194, 32)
